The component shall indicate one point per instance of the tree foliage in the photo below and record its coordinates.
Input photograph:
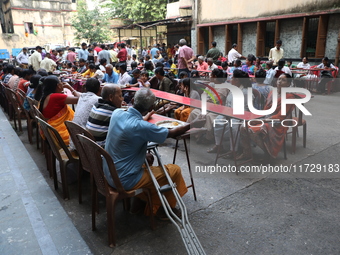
(132, 11)
(91, 25)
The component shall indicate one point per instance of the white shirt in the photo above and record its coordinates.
(304, 66)
(84, 106)
(34, 60)
(285, 69)
(22, 58)
(99, 74)
(95, 54)
(128, 64)
(124, 79)
(64, 57)
(233, 55)
(322, 66)
(212, 67)
(102, 68)
(48, 64)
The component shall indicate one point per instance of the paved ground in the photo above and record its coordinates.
(243, 214)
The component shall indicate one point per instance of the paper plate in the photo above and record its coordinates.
(169, 123)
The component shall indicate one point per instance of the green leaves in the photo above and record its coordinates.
(132, 11)
(91, 25)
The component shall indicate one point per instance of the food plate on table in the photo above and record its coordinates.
(169, 123)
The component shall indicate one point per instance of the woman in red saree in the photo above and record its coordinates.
(269, 136)
(54, 105)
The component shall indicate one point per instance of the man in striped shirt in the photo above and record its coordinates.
(100, 115)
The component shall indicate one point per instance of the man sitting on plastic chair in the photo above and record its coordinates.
(127, 138)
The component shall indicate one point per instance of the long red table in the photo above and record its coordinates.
(214, 108)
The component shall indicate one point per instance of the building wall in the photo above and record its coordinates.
(224, 10)
(51, 20)
(219, 38)
(249, 39)
(193, 40)
(291, 36)
(332, 36)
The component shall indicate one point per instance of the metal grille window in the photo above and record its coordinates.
(234, 34)
(270, 36)
(312, 34)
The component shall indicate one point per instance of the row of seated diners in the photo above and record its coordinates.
(97, 116)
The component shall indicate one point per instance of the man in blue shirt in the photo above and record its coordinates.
(110, 76)
(83, 52)
(126, 142)
(154, 51)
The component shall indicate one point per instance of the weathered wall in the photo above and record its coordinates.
(219, 38)
(249, 39)
(224, 10)
(194, 40)
(332, 36)
(291, 36)
(51, 20)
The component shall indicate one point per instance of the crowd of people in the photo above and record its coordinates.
(125, 134)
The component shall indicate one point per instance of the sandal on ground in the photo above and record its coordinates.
(213, 149)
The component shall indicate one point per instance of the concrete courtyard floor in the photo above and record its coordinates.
(273, 213)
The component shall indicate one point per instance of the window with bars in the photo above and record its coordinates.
(269, 36)
(311, 36)
(234, 34)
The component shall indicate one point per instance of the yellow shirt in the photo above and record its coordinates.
(174, 71)
(115, 70)
(88, 72)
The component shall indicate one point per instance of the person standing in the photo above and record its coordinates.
(65, 53)
(276, 53)
(35, 59)
(128, 49)
(122, 54)
(185, 56)
(213, 53)
(96, 48)
(144, 52)
(233, 54)
(113, 55)
(22, 59)
(71, 56)
(54, 56)
(133, 51)
(154, 51)
(104, 54)
(83, 52)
